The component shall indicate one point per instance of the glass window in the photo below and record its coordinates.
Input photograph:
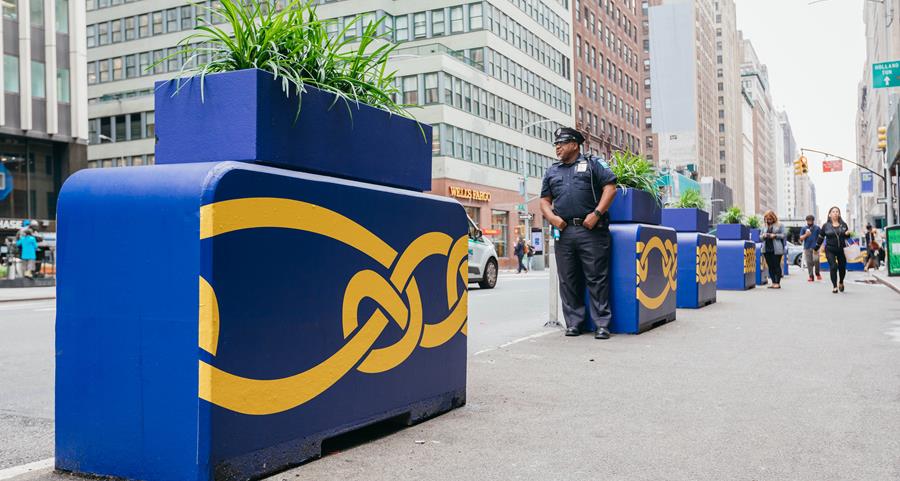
(420, 26)
(10, 10)
(131, 66)
(411, 90)
(103, 33)
(105, 129)
(144, 25)
(120, 128)
(159, 65)
(431, 88)
(151, 129)
(11, 73)
(437, 23)
(157, 23)
(62, 16)
(401, 28)
(92, 36)
(137, 160)
(37, 13)
(456, 19)
(115, 31)
(499, 221)
(135, 123)
(436, 141)
(62, 85)
(92, 73)
(187, 17)
(117, 68)
(476, 21)
(172, 20)
(130, 28)
(144, 63)
(38, 82)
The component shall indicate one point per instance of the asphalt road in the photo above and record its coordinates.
(26, 381)
(515, 308)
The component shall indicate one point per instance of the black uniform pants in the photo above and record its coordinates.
(582, 260)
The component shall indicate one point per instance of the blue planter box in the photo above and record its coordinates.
(762, 272)
(645, 297)
(365, 320)
(736, 265)
(857, 264)
(697, 270)
(732, 232)
(245, 116)
(686, 220)
(632, 206)
(754, 234)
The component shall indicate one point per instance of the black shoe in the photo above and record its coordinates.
(573, 331)
(841, 287)
(602, 333)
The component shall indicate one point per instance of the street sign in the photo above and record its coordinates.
(524, 216)
(520, 208)
(886, 75)
(836, 165)
(866, 183)
(491, 231)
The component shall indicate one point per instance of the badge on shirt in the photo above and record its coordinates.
(581, 167)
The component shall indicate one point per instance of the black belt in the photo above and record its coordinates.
(574, 221)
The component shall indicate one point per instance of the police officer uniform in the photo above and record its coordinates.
(582, 255)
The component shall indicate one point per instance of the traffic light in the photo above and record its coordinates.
(805, 164)
(800, 167)
(882, 138)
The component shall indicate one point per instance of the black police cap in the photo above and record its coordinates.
(566, 134)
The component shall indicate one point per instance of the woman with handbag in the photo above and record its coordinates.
(773, 247)
(834, 235)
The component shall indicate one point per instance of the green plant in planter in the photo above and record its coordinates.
(294, 45)
(636, 172)
(690, 199)
(754, 222)
(734, 215)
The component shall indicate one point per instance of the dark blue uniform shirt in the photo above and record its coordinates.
(810, 242)
(569, 185)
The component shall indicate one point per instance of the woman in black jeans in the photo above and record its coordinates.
(834, 235)
(773, 247)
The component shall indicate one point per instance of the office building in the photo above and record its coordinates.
(728, 88)
(494, 79)
(683, 82)
(608, 74)
(43, 134)
(651, 145)
(755, 83)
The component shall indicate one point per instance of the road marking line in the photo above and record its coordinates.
(14, 471)
(20, 307)
(516, 341)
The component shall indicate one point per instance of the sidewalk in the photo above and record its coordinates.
(892, 282)
(796, 384)
(13, 294)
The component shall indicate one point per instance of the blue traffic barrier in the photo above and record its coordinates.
(736, 265)
(643, 277)
(697, 265)
(245, 313)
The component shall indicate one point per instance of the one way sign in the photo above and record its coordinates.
(886, 74)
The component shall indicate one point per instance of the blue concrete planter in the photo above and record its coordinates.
(736, 265)
(199, 364)
(245, 116)
(697, 270)
(633, 206)
(686, 220)
(643, 277)
(732, 232)
(754, 234)
(856, 264)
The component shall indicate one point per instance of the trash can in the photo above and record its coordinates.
(892, 249)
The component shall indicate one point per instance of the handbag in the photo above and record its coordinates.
(851, 252)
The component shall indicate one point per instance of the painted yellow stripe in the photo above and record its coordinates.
(256, 212)
(209, 318)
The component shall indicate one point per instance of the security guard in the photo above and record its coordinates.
(576, 194)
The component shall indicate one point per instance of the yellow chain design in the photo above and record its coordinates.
(707, 258)
(749, 260)
(669, 252)
(397, 297)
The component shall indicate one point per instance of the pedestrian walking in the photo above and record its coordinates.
(872, 247)
(529, 255)
(808, 235)
(28, 245)
(519, 251)
(575, 196)
(834, 234)
(773, 247)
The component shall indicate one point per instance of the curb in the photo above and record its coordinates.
(27, 299)
(888, 283)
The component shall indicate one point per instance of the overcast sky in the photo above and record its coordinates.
(815, 54)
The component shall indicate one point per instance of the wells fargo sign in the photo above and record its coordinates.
(470, 194)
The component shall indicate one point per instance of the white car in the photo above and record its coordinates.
(483, 266)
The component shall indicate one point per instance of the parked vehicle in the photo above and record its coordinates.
(794, 254)
(483, 265)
